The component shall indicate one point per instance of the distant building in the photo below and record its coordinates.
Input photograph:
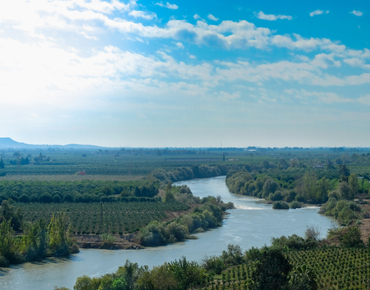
(81, 172)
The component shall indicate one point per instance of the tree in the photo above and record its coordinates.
(6, 240)
(283, 164)
(58, 233)
(294, 162)
(271, 271)
(188, 274)
(8, 213)
(35, 239)
(302, 278)
(322, 189)
(352, 238)
(343, 170)
(353, 184)
(2, 163)
(312, 233)
(309, 183)
(46, 197)
(345, 191)
(329, 164)
(233, 255)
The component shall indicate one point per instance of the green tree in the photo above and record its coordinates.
(351, 238)
(271, 271)
(58, 233)
(233, 255)
(322, 190)
(2, 165)
(309, 183)
(343, 170)
(353, 184)
(302, 278)
(188, 274)
(35, 239)
(160, 278)
(83, 283)
(8, 213)
(345, 191)
(6, 240)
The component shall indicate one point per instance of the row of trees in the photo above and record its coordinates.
(87, 191)
(307, 188)
(187, 173)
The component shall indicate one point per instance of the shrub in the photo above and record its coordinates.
(276, 196)
(295, 204)
(280, 205)
(46, 197)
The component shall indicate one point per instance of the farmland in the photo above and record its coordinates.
(97, 218)
(140, 162)
(335, 268)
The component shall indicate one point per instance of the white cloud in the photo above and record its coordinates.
(211, 17)
(357, 13)
(227, 96)
(142, 14)
(272, 17)
(196, 17)
(364, 100)
(180, 45)
(61, 15)
(357, 62)
(168, 5)
(318, 12)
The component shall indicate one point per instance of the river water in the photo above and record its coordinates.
(252, 223)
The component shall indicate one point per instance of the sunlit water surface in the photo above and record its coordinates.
(252, 223)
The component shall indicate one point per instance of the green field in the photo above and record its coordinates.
(98, 218)
(335, 268)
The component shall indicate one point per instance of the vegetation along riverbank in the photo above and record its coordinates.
(125, 221)
(288, 263)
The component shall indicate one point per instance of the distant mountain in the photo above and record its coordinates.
(6, 142)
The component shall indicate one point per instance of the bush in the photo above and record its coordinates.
(3, 262)
(154, 234)
(23, 198)
(46, 198)
(280, 205)
(300, 198)
(276, 196)
(295, 204)
(213, 265)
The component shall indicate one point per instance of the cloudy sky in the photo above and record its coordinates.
(185, 73)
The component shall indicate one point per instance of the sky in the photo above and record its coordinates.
(186, 73)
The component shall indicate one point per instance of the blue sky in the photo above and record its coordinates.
(185, 73)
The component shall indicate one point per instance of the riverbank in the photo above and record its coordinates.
(124, 241)
(251, 224)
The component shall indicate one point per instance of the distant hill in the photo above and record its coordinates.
(6, 142)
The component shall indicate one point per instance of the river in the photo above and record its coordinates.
(252, 223)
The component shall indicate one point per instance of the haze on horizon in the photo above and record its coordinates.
(175, 74)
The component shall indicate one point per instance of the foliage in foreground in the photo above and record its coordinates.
(38, 241)
(290, 263)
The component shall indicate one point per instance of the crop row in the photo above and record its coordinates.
(335, 268)
(97, 218)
